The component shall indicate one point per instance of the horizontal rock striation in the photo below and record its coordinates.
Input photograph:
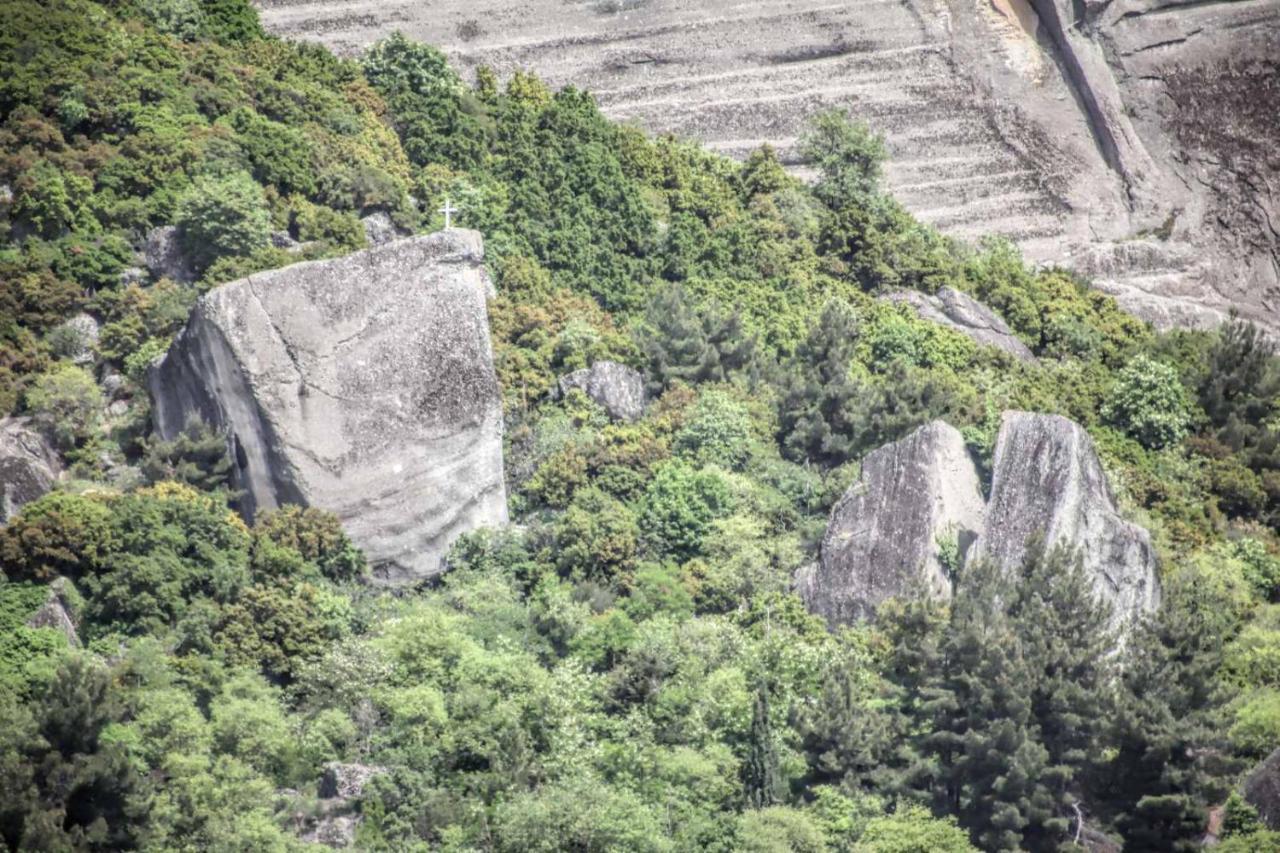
(363, 385)
(1047, 481)
(966, 315)
(1074, 128)
(885, 534)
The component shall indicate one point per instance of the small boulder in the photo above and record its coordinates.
(885, 535)
(336, 831)
(133, 275)
(1262, 790)
(959, 311)
(29, 466)
(283, 240)
(379, 228)
(164, 257)
(56, 613)
(1047, 481)
(617, 388)
(76, 338)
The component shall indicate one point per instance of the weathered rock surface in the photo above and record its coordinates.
(363, 385)
(78, 337)
(1047, 481)
(56, 613)
(967, 315)
(379, 228)
(1074, 128)
(1262, 790)
(164, 257)
(29, 466)
(346, 781)
(883, 536)
(617, 388)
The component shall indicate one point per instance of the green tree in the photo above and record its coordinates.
(198, 456)
(222, 217)
(847, 155)
(67, 403)
(1149, 403)
(816, 412)
(911, 829)
(679, 506)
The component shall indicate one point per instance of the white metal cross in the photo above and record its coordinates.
(448, 210)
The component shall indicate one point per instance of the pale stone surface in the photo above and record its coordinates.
(164, 257)
(617, 388)
(1074, 128)
(363, 385)
(346, 781)
(55, 613)
(379, 228)
(1047, 481)
(82, 336)
(29, 466)
(967, 315)
(883, 537)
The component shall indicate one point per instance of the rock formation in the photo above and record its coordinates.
(1047, 481)
(1132, 140)
(164, 257)
(617, 388)
(966, 315)
(885, 534)
(363, 385)
(1262, 790)
(29, 466)
(55, 613)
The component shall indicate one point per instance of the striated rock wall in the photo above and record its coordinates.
(1047, 481)
(363, 385)
(884, 535)
(1077, 128)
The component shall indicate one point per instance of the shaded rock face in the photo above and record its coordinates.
(80, 337)
(617, 388)
(883, 537)
(966, 315)
(164, 257)
(346, 781)
(380, 229)
(363, 385)
(1047, 481)
(1077, 128)
(29, 466)
(1262, 790)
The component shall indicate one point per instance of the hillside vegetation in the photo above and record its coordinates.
(625, 668)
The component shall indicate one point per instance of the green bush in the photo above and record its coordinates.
(1149, 402)
(221, 218)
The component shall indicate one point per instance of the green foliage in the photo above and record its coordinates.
(1149, 403)
(198, 456)
(67, 403)
(222, 217)
(679, 506)
(912, 830)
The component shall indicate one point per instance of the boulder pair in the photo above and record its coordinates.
(917, 514)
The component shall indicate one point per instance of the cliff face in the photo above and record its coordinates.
(1130, 139)
(363, 385)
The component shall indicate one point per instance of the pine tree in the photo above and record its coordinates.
(691, 344)
(763, 777)
(817, 416)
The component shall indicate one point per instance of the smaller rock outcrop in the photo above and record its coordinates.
(335, 822)
(379, 228)
(1047, 481)
(617, 388)
(77, 338)
(29, 466)
(1262, 790)
(959, 311)
(56, 611)
(346, 781)
(885, 535)
(164, 257)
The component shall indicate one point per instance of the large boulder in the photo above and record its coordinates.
(885, 535)
(363, 385)
(56, 612)
(959, 311)
(29, 466)
(1262, 790)
(617, 388)
(1047, 481)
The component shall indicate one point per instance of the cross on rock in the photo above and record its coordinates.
(448, 210)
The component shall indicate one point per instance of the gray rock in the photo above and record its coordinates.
(164, 257)
(112, 382)
(77, 338)
(56, 613)
(283, 240)
(118, 408)
(333, 830)
(133, 275)
(341, 781)
(379, 228)
(883, 537)
(1061, 125)
(1262, 790)
(363, 385)
(29, 466)
(1047, 481)
(616, 387)
(959, 311)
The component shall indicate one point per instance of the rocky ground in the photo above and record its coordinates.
(1119, 138)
